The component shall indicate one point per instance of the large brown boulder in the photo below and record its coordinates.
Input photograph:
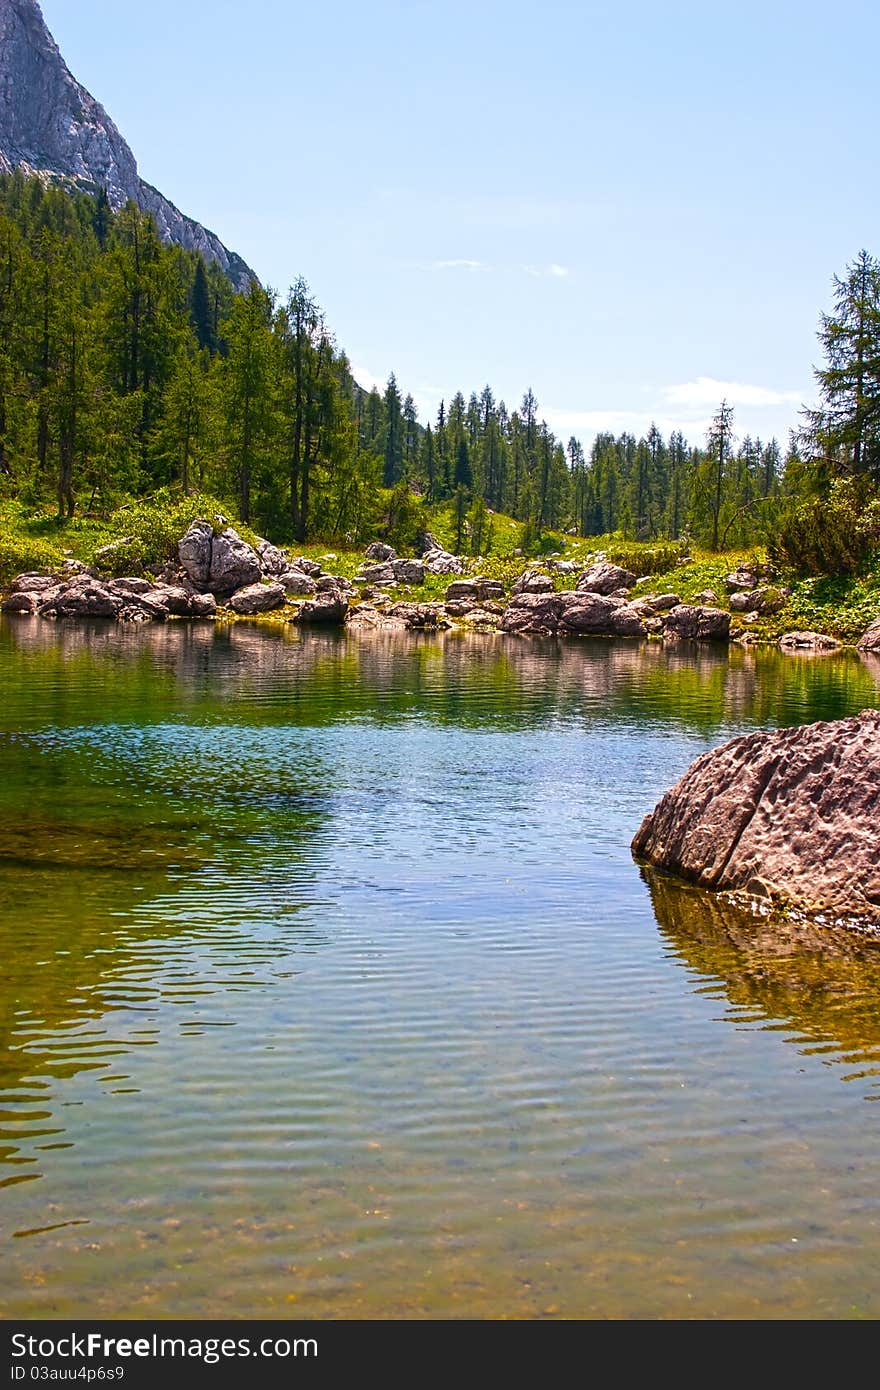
(533, 615)
(599, 616)
(792, 815)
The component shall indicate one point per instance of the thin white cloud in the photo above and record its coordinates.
(553, 271)
(460, 263)
(707, 391)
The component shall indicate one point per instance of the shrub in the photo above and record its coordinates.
(837, 533)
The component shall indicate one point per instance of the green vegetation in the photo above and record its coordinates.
(137, 390)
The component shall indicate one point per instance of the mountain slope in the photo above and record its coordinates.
(51, 125)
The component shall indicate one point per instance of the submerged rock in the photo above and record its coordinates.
(791, 815)
(808, 642)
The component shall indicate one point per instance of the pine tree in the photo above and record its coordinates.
(843, 434)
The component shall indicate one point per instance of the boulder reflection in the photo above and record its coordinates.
(822, 984)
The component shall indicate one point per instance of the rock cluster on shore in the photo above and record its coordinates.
(218, 574)
(790, 816)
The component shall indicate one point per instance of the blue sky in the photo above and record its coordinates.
(633, 208)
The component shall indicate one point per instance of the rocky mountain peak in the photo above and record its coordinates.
(50, 125)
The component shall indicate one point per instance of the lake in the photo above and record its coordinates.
(330, 988)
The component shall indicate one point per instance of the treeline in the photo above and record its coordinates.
(127, 365)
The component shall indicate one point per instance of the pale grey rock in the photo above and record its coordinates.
(49, 124)
(441, 562)
(234, 564)
(84, 598)
(697, 623)
(257, 598)
(382, 573)
(296, 583)
(172, 598)
(32, 583)
(194, 551)
(599, 615)
(604, 578)
(203, 605)
(408, 571)
(129, 584)
(764, 599)
(272, 560)
(23, 601)
(533, 582)
(379, 551)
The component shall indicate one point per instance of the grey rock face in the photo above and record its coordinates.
(329, 609)
(194, 550)
(661, 603)
(172, 598)
(257, 598)
(234, 564)
(129, 585)
(52, 125)
(870, 639)
(604, 578)
(23, 601)
(764, 599)
(382, 573)
(700, 624)
(441, 562)
(203, 605)
(295, 582)
(379, 551)
(533, 582)
(85, 599)
(534, 615)
(408, 571)
(273, 561)
(32, 583)
(419, 615)
(789, 815)
(309, 567)
(598, 615)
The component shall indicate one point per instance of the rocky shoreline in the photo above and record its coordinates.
(219, 576)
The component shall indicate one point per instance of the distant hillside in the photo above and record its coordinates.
(51, 125)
